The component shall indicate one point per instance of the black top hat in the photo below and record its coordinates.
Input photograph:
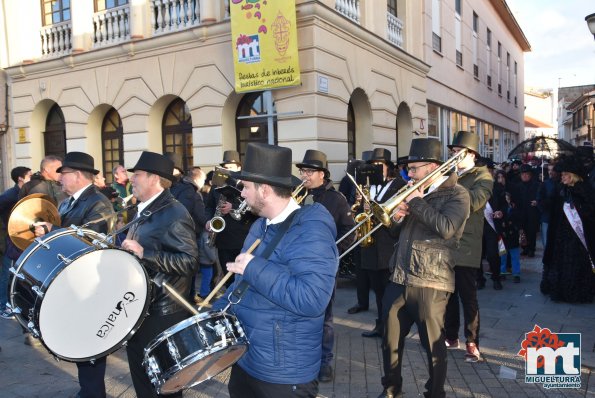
(177, 159)
(230, 157)
(267, 164)
(314, 159)
(380, 155)
(79, 161)
(155, 163)
(466, 139)
(366, 155)
(424, 150)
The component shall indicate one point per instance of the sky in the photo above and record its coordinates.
(562, 47)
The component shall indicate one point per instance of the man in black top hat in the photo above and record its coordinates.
(282, 310)
(478, 181)
(527, 190)
(375, 257)
(229, 241)
(85, 203)
(163, 239)
(316, 178)
(430, 225)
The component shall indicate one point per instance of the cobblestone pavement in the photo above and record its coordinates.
(506, 316)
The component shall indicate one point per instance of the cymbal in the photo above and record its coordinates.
(31, 209)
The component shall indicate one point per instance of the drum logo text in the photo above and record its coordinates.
(109, 323)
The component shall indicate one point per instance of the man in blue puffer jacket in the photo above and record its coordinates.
(282, 311)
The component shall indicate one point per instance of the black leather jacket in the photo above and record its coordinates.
(90, 206)
(169, 250)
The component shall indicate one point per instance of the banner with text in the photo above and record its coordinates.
(264, 39)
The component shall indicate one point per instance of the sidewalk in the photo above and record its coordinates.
(506, 316)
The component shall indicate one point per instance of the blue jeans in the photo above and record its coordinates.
(205, 279)
(515, 259)
(328, 333)
(4, 278)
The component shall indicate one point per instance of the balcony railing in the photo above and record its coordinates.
(395, 30)
(111, 26)
(349, 8)
(56, 40)
(174, 15)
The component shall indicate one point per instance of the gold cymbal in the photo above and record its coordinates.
(31, 209)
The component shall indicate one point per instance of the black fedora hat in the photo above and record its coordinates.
(424, 150)
(314, 159)
(155, 163)
(267, 164)
(231, 157)
(79, 161)
(380, 155)
(177, 159)
(466, 139)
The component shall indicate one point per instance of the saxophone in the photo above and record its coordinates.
(217, 223)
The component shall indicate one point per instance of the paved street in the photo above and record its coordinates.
(506, 316)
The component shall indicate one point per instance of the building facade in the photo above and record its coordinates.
(576, 114)
(115, 77)
(539, 113)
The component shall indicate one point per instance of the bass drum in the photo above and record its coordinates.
(194, 350)
(81, 297)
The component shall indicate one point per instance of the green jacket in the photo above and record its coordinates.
(479, 183)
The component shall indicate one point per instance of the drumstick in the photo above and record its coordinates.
(225, 278)
(179, 298)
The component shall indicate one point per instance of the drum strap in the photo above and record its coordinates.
(243, 285)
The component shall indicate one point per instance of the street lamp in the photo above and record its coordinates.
(591, 23)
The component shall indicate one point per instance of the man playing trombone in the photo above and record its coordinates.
(316, 179)
(429, 226)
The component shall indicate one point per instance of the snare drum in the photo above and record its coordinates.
(81, 297)
(194, 350)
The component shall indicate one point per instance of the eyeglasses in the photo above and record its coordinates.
(413, 169)
(307, 172)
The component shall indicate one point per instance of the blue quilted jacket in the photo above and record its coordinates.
(282, 312)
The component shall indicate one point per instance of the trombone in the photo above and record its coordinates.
(385, 211)
(298, 195)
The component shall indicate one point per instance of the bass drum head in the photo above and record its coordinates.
(94, 305)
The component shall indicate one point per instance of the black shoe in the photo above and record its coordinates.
(497, 284)
(376, 332)
(481, 284)
(357, 308)
(517, 279)
(326, 374)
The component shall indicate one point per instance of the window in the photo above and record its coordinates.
(489, 57)
(350, 132)
(458, 34)
(458, 6)
(54, 136)
(508, 76)
(433, 122)
(55, 11)
(436, 39)
(459, 58)
(177, 132)
(476, 71)
(112, 143)
(254, 129)
(489, 37)
(499, 71)
(101, 5)
(392, 7)
(475, 22)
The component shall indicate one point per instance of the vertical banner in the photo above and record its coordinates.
(264, 41)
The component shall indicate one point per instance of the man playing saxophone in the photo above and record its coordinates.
(429, 227)
(316, 180)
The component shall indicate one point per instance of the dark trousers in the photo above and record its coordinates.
(328, 332)
(376, 280)
(242, 385)
(404, 306)
(466, 290)
(531, 226)
(151, 327)
(490, 250)
(92, 378)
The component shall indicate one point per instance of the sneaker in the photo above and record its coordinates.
(451, 343)
(7, 313)
(517, 279)
(472, 354)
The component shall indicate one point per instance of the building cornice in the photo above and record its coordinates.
(511, 23)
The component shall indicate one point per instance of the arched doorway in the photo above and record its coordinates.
(177, 131)
(54, 136)
(351, 154)
(252, 129)
(112, 143)
(403, 129)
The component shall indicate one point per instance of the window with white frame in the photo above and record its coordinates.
(475, 38)
(458, 34)
(55, 11)
(489, 57)
(436, 38)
